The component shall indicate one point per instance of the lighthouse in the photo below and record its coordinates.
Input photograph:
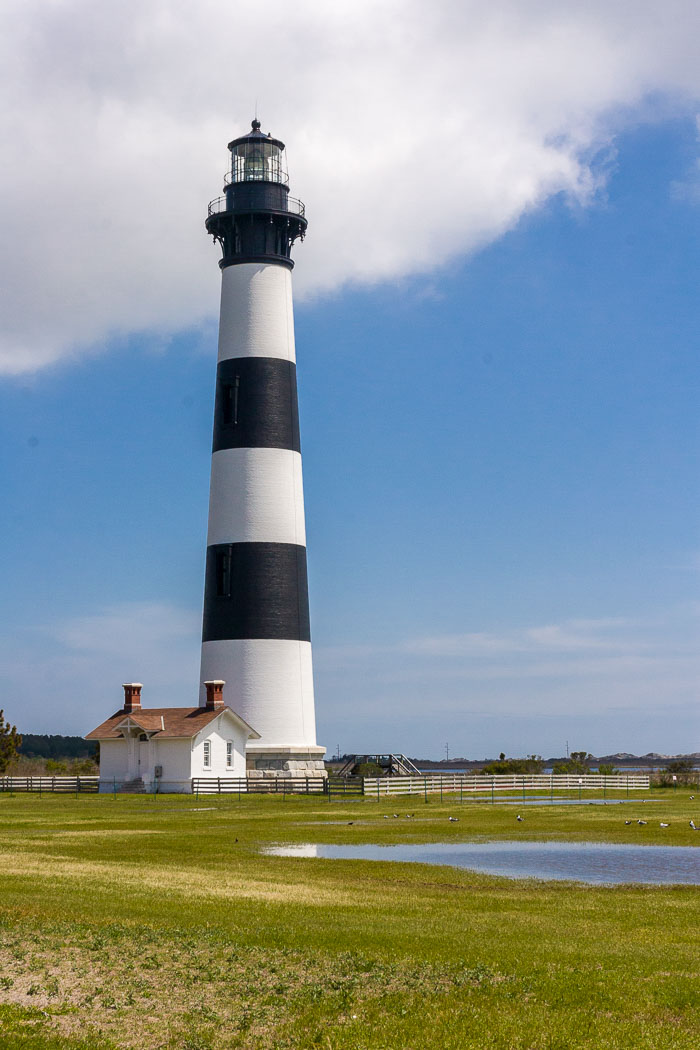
(255, 634)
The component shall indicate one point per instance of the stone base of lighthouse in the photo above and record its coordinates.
(287, 762)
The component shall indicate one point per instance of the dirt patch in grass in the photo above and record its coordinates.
(152, 990)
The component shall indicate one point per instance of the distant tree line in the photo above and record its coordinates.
(43, 745)
(531, 764)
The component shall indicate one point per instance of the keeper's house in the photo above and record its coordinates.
(146, 748)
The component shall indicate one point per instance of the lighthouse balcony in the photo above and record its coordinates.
(290, 205)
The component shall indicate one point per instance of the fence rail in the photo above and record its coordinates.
(259, 785)
(88, 784)
(451, 782)
(337, 787)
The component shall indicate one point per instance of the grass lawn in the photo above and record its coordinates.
(156, 923)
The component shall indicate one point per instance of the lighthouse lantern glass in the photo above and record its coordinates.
(258, 161)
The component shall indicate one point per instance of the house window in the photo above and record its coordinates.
(229, 754)
(207, 754)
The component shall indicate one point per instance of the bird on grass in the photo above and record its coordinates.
(386, 816)
(694, 826)
(628, 822)
(662, 825)
(641, 822)
(395, 815)
(350, 823)
(453, 819)
(692, 797)
(519, 817)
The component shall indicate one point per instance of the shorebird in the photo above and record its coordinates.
(519, 817)
(350, 823)
(628, 822)
(453, 819)
(694, 826)
(692, 797)
(641, 821)
(395, 815)
(662, 825)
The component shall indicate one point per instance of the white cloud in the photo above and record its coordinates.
(629, 684)
(417, 132)
(65, 677)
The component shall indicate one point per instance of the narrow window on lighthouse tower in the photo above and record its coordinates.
(229, 396)
(223, 574)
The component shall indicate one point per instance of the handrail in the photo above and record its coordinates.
(294, 207)
(230, 178)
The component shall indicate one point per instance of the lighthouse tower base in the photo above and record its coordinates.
(287, 762)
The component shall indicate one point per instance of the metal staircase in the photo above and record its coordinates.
(391, 765)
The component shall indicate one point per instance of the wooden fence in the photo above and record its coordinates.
(337, 788)
(259, 785)
(449, 783)
(72, 785)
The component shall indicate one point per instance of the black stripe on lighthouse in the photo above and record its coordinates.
(256, 404)
(256, 590)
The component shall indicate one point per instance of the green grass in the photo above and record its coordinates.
(143, 923)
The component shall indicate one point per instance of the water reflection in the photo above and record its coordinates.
(593, 862)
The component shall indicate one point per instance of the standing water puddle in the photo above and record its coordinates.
(596, 862)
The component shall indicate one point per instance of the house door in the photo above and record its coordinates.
(133, 755)
(144, 760)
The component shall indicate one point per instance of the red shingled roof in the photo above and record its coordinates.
(176, 722)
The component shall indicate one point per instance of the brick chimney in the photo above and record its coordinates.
(132, 696)
(215, 695)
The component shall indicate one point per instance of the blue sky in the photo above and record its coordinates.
(500, 455)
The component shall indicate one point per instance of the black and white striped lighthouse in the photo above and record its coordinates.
(256, 633)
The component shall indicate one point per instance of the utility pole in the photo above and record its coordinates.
(447, 752)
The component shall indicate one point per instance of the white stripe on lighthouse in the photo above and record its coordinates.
(256, 495)
(269, 682)
(257, 316)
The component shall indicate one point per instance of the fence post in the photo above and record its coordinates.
(628, 785)
(493, 784)
(523, 789)
(425, 789)
(440, 789)
(377, 789)
(115, 789)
